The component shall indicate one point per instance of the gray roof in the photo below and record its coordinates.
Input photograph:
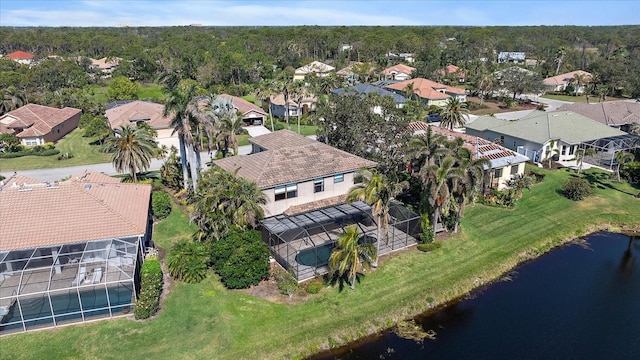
(364, 89)
(609, 113)
(539, 127)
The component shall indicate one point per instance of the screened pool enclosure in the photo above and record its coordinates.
(303, 242)
(54, 285)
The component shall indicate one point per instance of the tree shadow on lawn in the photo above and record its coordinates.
(600, 180)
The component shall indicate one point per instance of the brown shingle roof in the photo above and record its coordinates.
(280, 139)
(400, 68)
(138, 110)
(564, 78)
(243, 105)
(427, 89)
(41, 119)
(71, 211)
(608, 113)
(293, 164)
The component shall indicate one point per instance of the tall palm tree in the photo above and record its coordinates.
(473, 175)
(485, 83)
(581, 154)
(377, 191)
(621, 158)
(228, 124)
(264, 93)
(578, 80)
(559, 58)
(350, 254)
(132, 150)
(550, 150)
(409, 91)
(425, 148)
(454, 114)
(437, 179)
(299, 93)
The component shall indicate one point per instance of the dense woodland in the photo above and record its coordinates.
(233, 59)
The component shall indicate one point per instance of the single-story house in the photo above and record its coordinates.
(316, 67)
(451, 69)
(430, 92)
(364, 89)
(398, 72)
(561, 81)
(407, 57)
(515, 57)
(71, 251)
(618, 114)
(133, 112)
(505, 163)
(534, 134)
(278, 105)
(21, 57)
(37, 124)
(305, 183)
(251, 113)
(106, 65)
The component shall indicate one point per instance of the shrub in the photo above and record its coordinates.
(278, 125)
(150, 289)
(160, 204)
(49, 145)
(49, 152)
(577, 189)
(187, 261)
(427, 234)
(287, 283)
(65, 156)
(241, 259)
(314, 287)
(430, 246)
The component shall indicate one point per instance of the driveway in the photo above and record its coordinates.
(256, 130)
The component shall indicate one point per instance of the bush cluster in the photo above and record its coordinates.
(427, 235)
(314, 287)
(160, 204)
(278, 125)
(429, 246)
(287, 283)
(241, 259)
(187, 261)
(577, 189)
(150, 289)
(42, 151)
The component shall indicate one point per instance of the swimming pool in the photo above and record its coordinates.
(319, 255)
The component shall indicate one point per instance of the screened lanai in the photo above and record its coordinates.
(54, 285)
(606, 149)
(303, 242)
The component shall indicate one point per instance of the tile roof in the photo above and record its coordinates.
(451, 69)
(293, 164)
(562, 79)
(314, 67)
(243, 105)
(75, 210)
(20, 55)
(364, 89)
(280, 139)
(279, 100)
(427, 89)
(129, 112)
(399, 68)
(39, 119)
(540, 127)
(105, 63)
(316, 205)
(609, 113)
(480, 148)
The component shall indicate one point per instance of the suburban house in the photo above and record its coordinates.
(505, 163)
(21, 57)
(251, 113)
(279, 106)
(350, 77)
(37, 124)
(618, 114)
(398, 72)
(305, 183)
(514, 57)
(363, 89)
(316, 67)
(451, 71)
(134, 112)
(541, 135)
(430, 92)
(560, 82)
(106, 65)
(71, 250)
(406, 57)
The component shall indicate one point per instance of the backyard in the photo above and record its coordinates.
(205, 320)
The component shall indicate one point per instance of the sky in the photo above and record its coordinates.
(329, 12)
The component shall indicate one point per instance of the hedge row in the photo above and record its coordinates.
(160, 204)
(10, 155)
(150, 289)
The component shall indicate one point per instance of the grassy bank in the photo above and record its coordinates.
(206, 321)
(72, 143)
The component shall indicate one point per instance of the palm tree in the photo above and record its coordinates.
(425, 148)
(520, 182)
(454, 113)
(634, 128)
(465, 187)
(11, 100)
(579, 80)
(350, 254)
(228, 124)
(559, 58)
(486, 80)
(621, 158)
(437, 178)
(581, 154)
(187, 261)
(132, 150)
(409, 91)
(298, 92)
(264, 93)
(377, 191)
(549, 150)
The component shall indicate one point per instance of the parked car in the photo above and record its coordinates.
(434, 118)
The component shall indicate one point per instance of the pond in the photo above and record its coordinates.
(581, 301)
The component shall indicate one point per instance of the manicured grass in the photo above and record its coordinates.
(72, 143)
(206, 321)
(578, 99)
(243, 140)
(150, 92)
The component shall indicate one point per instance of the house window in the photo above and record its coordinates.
(572, 150)
(514, 169)
(338, 178)
(497, 173)
(318, 185)
(286, 191)
(31, 142)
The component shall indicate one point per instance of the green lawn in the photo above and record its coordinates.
(578, 99)
(206, 321)
(150, 92)
(72, 143)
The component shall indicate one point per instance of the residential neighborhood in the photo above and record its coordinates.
(184, 181)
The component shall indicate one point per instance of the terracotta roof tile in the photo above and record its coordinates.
(280, 139)
(137, 110)
(41, 119)
(20, 55)
(564, 78)
(427, 89)
(400, 68)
